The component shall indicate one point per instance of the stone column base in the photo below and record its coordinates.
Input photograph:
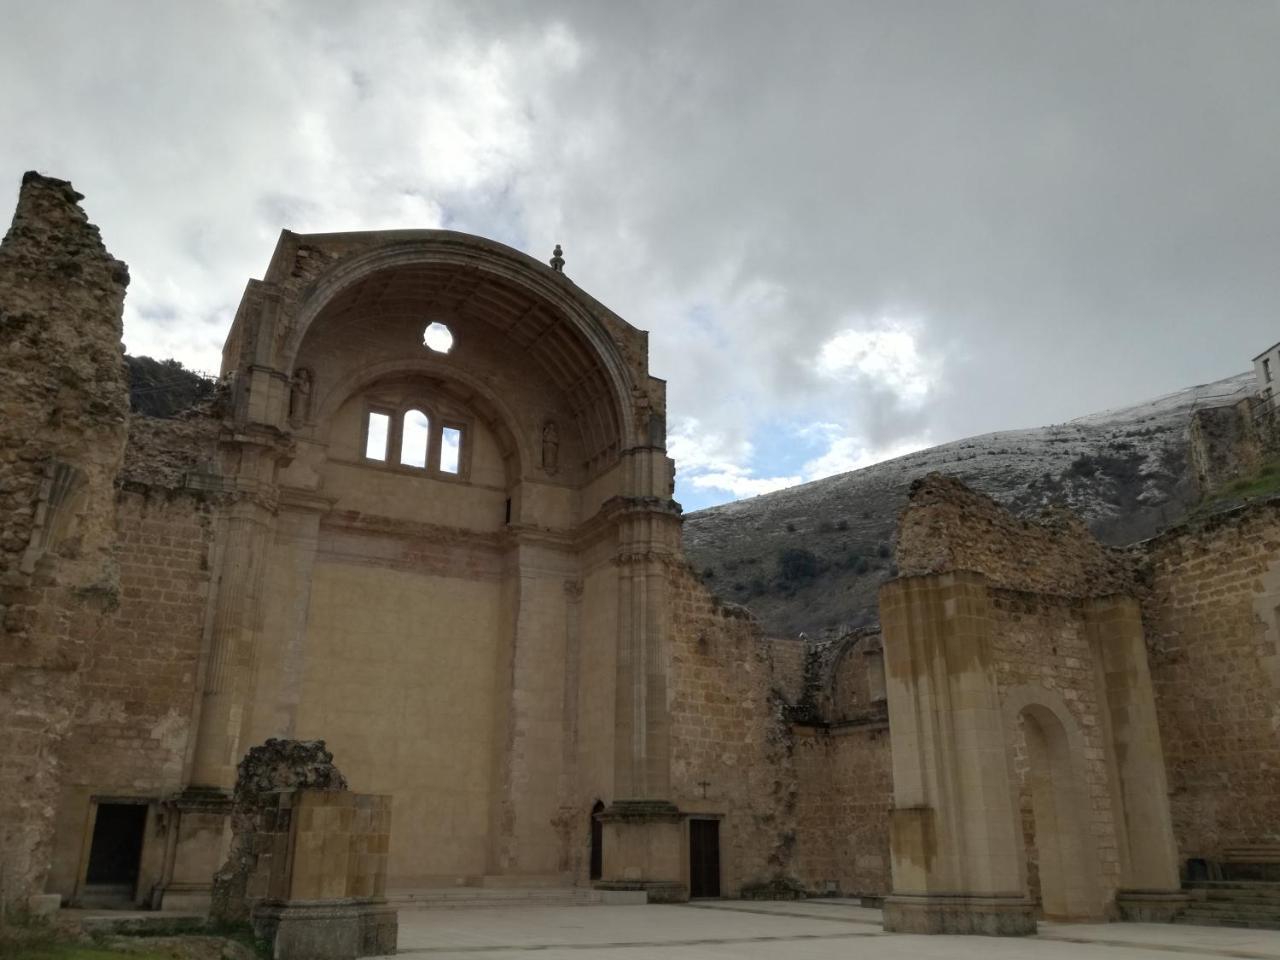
(959, 914)
(198, 827)
(644, 849)
(650, 891)
(1150, 906)
(326, 929)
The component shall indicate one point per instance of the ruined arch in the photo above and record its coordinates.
(553, 325)
(1056, 779)
(854, 684)
(450, 380)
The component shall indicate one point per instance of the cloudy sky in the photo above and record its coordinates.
(852, 228)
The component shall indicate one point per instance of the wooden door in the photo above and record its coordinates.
(704, 858)
(597, 841)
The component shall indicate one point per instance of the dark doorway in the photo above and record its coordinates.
(704, 858)
(597, 841)
(116, 850)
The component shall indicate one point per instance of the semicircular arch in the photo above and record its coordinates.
(459, 385)
(489, 261)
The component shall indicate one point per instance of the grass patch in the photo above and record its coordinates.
(76, 951)
(1265, 483)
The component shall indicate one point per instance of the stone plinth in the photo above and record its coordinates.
(320, 879)
(643, 850)
(1150, 906)
(197, 844)
(958, 914)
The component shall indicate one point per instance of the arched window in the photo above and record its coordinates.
(450, 449)
(377, 435)
(415, 438)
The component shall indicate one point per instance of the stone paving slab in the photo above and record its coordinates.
(802, 930)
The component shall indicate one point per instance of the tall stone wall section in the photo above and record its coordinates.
(1232, 443)
(1040, 578)
(803, 803)
(1042, 642)
(1210, 616)
(63, 410)
(947, 526)
(846, 792)
(132, 727)
(732, 746)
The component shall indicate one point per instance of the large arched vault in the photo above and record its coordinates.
(451, 481)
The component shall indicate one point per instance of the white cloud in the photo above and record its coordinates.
(977, 171)
(846, 453)
(707, 461)
(887, 357)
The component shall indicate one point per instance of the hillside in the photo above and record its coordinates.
(812, 557)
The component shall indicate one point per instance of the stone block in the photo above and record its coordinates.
(623, 898)
(327, 929)
(951, 914)
(1150, 906)
(44, 904)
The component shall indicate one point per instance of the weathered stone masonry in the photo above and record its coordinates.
(63, 407)
(1210, 615)
(500, 648)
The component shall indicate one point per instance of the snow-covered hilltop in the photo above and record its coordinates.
(812, 557)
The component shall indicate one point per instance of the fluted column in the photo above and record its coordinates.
(231, 647)
(250, 457)
(643, 829)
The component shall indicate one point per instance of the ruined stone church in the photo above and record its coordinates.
(428, 518)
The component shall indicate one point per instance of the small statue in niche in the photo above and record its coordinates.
(550, 447)
(300, 396)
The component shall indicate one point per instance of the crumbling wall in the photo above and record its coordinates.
(275, 767)
(804, 803)
(175, 453)
(1232, 443)
(1041, 642)
(1039, 579)
(1210, 616)
(134, 718)
(732, 744)
(63, 409)
(845, 767)
(846, 792)
(946, 526)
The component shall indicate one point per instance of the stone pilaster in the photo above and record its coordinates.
(956, 849)
(1150, 886)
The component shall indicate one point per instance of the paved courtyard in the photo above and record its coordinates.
(811, 930)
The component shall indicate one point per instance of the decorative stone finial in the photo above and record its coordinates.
(557, 259)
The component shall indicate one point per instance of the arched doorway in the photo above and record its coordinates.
(1067, 862)
(597, 841)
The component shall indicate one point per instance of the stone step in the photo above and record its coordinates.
(1243, 908)
(1192, 918)
(138, 922)
(1247, 899)
(505, 882)
(1262, 888)
(458, 897)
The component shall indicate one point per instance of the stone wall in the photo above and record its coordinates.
(1041, 644)
(133, 722)
(734, 754)
(63, 407)
(947, 526)
(846, 790)
(803, 802)
(1232, 443)
(1056, 652)
(1210, 616)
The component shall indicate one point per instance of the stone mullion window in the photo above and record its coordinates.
(374, 413)
(434, 455)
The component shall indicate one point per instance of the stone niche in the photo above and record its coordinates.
(319, 883)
